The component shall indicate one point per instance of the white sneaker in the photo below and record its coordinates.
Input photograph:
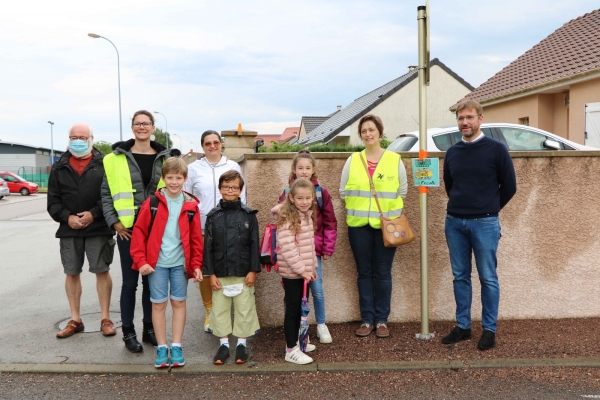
(323, 334)
(309, 347)
(297, 357)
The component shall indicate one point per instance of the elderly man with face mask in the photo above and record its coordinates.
(74, 202)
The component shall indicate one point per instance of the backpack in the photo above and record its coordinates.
(154, 208)
(319, 195)
(269, 249)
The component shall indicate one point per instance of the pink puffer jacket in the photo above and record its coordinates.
(296, 252)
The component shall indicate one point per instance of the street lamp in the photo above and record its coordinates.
(166, 127)
(51, 143)
(93, 35)
(180, 146)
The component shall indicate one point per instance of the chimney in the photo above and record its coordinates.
(339, 108)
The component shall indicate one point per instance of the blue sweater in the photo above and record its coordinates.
(479, 178)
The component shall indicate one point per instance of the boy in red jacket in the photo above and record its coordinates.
(167, 246)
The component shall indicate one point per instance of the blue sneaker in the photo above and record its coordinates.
(177, 357)
(162, 357)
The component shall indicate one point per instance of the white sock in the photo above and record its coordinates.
(242, 342)
(175, 344)
(225, 341)
(320, 324)
(162, 345)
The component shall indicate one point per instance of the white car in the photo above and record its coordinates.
(4, 188)
(515, 137)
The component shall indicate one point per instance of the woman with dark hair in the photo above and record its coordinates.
(373, 259)
(203, 182)
(132, 173)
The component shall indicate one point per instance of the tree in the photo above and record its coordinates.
(161, 137)
(103, 147)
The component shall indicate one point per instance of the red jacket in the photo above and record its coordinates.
(145, 249)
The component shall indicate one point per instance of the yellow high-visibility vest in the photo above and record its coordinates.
(361, 208)
(121, 188)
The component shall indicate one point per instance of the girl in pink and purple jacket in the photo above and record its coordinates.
(304, 166)
(297, 260)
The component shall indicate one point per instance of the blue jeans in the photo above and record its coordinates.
(479, 236)
(374, 266)
(316, 289)
(129, 287)
(160, 280)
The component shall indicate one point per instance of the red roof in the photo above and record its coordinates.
(288, 134)
(573, 49)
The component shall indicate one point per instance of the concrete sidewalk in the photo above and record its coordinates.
(35, 302)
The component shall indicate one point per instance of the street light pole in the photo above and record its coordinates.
(51, 143)
(180, 146)
(93, 35)
(166, 127)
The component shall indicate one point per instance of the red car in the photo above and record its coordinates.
(16, 184)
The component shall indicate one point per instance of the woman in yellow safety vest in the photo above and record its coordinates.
(373, 259)
(132, 173)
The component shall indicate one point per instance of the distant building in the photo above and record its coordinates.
(288, 135)
(397, 104)
(308, 123)
(17, 157)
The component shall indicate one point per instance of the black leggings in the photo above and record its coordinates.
(293, 289)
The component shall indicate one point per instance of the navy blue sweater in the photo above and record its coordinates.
(479, 178)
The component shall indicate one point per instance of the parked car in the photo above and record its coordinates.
(515, 137)
(4, 189)
(16, 184)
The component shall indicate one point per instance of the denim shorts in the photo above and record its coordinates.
(159, 281)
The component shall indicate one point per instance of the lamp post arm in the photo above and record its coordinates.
(119, 82)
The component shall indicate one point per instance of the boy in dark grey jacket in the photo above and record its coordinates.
(231, 262)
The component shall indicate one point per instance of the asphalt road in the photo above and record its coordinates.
(32, 287)
(16, 206)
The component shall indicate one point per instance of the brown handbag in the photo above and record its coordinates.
(395, 231)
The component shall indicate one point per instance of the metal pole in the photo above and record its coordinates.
(166, 128)
(180, 145)
(422, 23)
(51, 143)
(93, 35)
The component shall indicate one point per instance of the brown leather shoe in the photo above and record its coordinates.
(364, 330)
(382, 330)
(71, 328)
(107, 327)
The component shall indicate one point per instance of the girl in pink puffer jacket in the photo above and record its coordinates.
(304, 166)
(297, 259)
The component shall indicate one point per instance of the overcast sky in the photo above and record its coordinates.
(214, 64)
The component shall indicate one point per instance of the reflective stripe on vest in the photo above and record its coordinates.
(361, 208)
(121, 188)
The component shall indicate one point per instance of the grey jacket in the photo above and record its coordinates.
(141, 193)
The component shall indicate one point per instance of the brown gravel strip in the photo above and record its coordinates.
(520, 383)
(521, 339)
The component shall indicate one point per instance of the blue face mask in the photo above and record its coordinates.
(79, 147)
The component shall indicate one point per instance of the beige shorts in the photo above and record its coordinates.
(245, 319)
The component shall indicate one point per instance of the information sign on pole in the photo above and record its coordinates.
(426, 172)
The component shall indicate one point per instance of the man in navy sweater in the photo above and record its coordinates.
(480, 180)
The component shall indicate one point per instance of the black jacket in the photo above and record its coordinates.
(231, 240)
(69, 194)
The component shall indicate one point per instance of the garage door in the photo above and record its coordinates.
(592, 124)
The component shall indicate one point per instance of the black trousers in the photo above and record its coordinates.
(293, 289)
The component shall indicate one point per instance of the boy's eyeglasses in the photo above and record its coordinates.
(230, 188)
